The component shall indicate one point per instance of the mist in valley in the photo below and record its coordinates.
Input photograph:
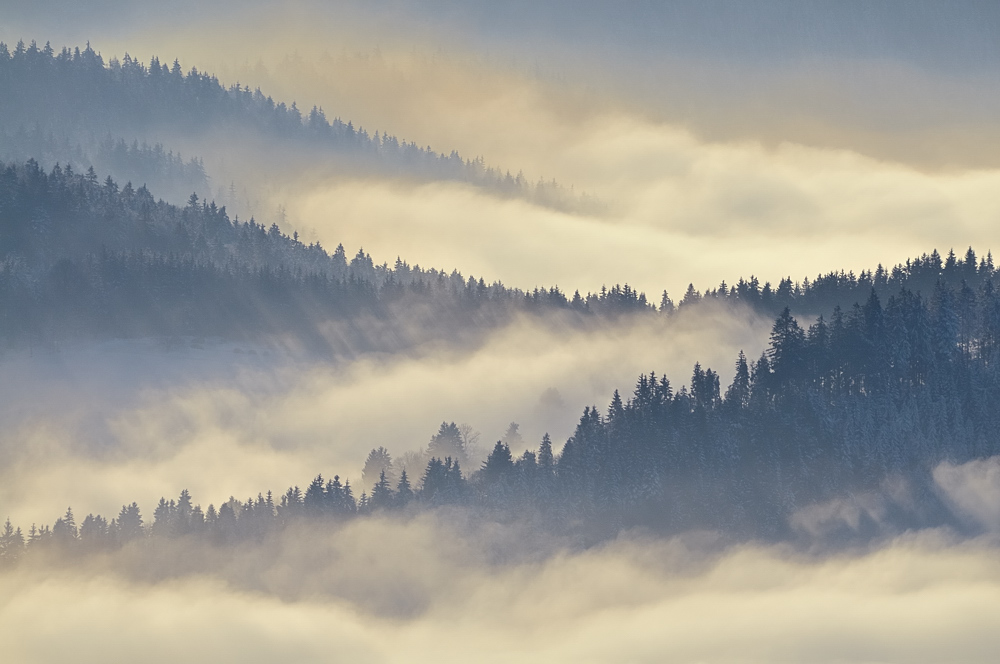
(672, 282)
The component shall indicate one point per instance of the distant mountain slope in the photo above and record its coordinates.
(81, 256)
(60, 228)
(73, 99)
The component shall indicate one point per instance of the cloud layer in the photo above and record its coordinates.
(918, 599)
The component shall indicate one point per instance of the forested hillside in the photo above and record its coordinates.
(83, 255)
(867, 402)
(86, 257)
(67, 106)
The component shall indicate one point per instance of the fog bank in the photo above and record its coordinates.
(921, 598)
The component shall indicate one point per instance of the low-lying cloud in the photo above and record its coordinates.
(701, 214)
(225, 420)
(921, 598)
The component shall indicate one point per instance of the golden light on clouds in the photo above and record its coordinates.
(675, 206)
(917, 599)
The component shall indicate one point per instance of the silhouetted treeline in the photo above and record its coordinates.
(875, 397)
(83, 256)
(62, 99)
(826, 291)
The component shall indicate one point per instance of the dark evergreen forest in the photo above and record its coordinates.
(85, 257)
(876, 395)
